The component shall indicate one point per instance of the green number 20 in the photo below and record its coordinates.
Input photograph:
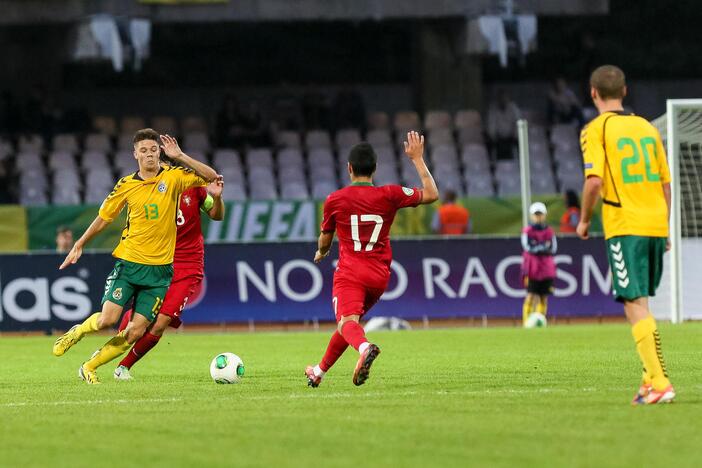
(151, 211)
(635, 158)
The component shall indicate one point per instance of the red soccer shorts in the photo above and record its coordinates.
(350, 297)
(185, 281)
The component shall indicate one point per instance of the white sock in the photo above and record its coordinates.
(364, 346)
(318, 371)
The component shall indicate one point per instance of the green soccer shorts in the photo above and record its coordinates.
(637, 265)
(146, 283)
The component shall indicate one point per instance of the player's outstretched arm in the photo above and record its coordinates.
(323, 246)
(215, 188)
(172, 149)
(414, 148)
(95, 228)
(591, 193)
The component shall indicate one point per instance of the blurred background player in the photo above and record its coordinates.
(144, 255)
(362, 215)
(451, 218)
(538, 268)
(64, 239)
(188, 269)
(625, 163)
(571, 216)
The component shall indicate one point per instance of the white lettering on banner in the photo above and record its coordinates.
(590, 267)
(401, 287)
(277, 225)
(501, 277)
(253, 227)
(430, 280)
(284, 285)
(245, 273)
(39, 288)
(234, 227)
(304, 225)
(571, 282)
(475, 274)
(70, 291)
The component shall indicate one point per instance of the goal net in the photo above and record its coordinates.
(679, 297)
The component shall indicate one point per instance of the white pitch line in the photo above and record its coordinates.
(86, 402)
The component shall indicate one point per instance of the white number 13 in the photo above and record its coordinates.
(377, 219)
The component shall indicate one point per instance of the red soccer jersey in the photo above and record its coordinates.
(189, 248)
(362, 215)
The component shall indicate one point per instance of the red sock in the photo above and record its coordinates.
(336, 347)
(140, 348)
(125, 320)
(353, 334)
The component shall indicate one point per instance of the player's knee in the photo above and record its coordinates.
(105, 321)
(162, 322)
(134, 332)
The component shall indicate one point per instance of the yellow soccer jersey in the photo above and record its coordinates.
(626, 151)
(152, 208)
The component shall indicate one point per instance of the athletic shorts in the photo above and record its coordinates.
(637, 265)
(147, 284)
(184, 283)
(541, 287)
(352, 298)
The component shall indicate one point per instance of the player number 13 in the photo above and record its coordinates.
(377, 219)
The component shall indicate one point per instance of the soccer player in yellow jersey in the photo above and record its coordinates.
(143, 269)
(625, 164)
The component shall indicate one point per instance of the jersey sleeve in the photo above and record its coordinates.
(403, 197)
(328, 219)
(662, 158)
(592, 146)
(115, 201)
(186, 178)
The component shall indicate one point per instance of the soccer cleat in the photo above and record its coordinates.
(65, 341)
(360, 374)
(640, 397)
(122, 373)
(312, 379)
(664, 396)
(90, 377)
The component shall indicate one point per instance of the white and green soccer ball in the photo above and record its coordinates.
(535, 320)
(227, 368)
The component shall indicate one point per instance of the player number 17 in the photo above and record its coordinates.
(377, 219)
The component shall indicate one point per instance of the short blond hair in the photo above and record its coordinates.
(609, 81)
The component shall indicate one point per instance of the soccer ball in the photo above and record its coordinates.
(227, 368)
(535, 320)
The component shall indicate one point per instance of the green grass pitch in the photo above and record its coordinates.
(458, 397)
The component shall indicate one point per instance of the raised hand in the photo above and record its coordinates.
(169, 145)
(583, 230)
(72, 256)
(414, 146)
(215, 188)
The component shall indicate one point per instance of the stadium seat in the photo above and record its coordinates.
(291, 174)
(322, 188)
(198, 155)
(288, 139)
(468, 118)
(323, 173)
(33, 177)
(65, 142)
(407, 120)
(378, 120)
(61, 160)
(448, 178)
(233, 175)
(469, 135)
(320, 157)
(125, 142)
(317, 139)
(105, 124)
(409, 173)
(564, 135)
(66, 177)
(537, 165)
(294, 191)
(33, 196)
(94, 160)
(130, 124)
(444, 156)
(437, 119)
(507, 169)
(379, 137)
(28, 160)
(125, 163)
(30, 143)
(537, 134)
(475, 156)
(290, 157)
(543, 185)
(6, 148)
(386, 174)
(98, 184)
(233, 191)
(98, 142)
(164, 124)
(347, 138)
(481, 187)
(508, 186)
(65, 195)
(224, 158)
(196, 140)
(440, 137)
(263, 192)
(193, 123)
(260, 157)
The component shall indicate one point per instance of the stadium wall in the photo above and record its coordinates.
(278, 282)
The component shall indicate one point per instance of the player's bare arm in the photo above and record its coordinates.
(95, 228)
(414, 148)
(591, 193)
(323, 246)
(215, 188)
(172, 149)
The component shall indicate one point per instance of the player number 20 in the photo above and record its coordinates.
(377, 219)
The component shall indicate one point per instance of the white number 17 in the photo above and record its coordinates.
(377, 219)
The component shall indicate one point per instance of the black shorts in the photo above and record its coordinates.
(540, 287)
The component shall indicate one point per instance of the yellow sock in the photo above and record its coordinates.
(89, 325)
(110, 350)
(646, 377)
(526, 310)
(542, 306)
(648, 345)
